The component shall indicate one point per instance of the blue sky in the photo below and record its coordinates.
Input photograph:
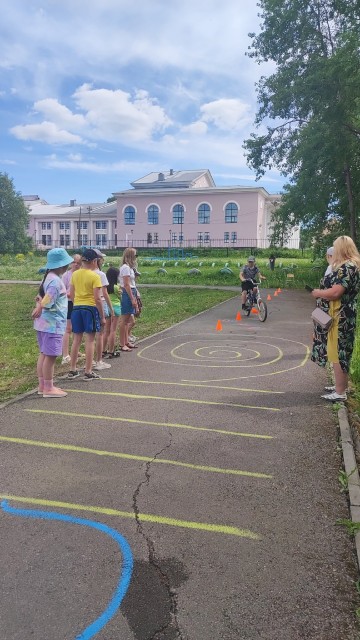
(97, 93)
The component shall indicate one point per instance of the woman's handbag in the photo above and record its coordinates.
(322, 318)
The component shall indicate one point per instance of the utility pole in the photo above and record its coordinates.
(79, 228)
(89, 212)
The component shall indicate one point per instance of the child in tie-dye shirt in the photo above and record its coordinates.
(50, 321)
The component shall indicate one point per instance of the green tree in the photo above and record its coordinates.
(311, 110)
(13, 218)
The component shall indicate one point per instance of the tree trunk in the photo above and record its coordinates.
(352, 221)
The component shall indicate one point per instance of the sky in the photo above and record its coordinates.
(97, 93)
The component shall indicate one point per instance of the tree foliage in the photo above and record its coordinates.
(309, 110)
(13, 218)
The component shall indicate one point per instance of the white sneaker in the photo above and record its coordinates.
(99, 366)
(335, 397)
(66, 360)
(132, 338)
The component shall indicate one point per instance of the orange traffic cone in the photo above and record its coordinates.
(254, 310)
(238, 316)
(219, 326)
(279, 290)
(275, 293)
(269, 297)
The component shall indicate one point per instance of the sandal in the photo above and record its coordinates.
(125, 348)
(132, 346)
(114, 354)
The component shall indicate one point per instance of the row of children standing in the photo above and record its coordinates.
(85, 303)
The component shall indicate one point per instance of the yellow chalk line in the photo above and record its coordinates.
(127, 456)
(144, 517)
(262, 375)
(224, 348)
(140, 354)
(188, 384)
(172, 425)
(166, 399)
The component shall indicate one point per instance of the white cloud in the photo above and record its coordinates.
(44, 132)
(160, 86)
(195, 128)
(227, 114)
(52, 110)
(107, 115)
(60, 44)
(75, 157)
(7, 161)
(116, 116)
(55, 162)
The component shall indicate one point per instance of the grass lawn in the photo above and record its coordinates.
(289, 272)
(162, 307)
(18, 356)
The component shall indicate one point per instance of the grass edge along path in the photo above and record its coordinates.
(162, 309)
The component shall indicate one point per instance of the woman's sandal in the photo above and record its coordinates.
(125, 348)
(114, 354)
(132, 346)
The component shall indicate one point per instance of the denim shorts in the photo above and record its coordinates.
(85, 319)
(126, 305)
(50, 344)
(107, 313)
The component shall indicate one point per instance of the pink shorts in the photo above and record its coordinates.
(50, 344)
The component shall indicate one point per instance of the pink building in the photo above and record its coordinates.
(177, 209)
(185, 208)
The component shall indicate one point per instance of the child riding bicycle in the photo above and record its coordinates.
(248, 276)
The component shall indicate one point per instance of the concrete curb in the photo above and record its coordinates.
(351, 469)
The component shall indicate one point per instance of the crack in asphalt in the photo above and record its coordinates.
(153, 560)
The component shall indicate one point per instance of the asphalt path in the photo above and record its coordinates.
(190, 493)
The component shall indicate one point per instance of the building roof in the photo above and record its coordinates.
(183, 179)
(158, 192)
(38, 209)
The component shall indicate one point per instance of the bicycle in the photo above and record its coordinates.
(255, 300)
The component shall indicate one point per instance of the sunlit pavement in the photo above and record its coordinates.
(211, 455)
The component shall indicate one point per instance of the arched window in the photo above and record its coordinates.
(231, 212)
(153, 214)
(129, 215)
(204, 213)
(178, 214)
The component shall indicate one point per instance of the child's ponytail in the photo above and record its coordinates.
(41, 288)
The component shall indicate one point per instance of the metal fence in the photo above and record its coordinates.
(240, 243)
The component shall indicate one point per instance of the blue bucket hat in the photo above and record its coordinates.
(57, 258)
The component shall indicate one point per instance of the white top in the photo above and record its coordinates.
(125, 270)
(328, 271)
(104, 281)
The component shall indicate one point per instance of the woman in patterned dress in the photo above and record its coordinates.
(337, 294)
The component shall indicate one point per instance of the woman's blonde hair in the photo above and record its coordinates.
(345, 251)
(129, 257)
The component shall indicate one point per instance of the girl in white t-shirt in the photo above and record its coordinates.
(108, 313)
(129, 305)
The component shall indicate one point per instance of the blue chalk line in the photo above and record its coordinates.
(127, 561)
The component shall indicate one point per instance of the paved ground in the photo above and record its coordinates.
(212, 454)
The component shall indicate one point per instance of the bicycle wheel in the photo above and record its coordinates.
(248, 306)
(262, 310)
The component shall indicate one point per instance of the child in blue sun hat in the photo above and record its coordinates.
(49, 318)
